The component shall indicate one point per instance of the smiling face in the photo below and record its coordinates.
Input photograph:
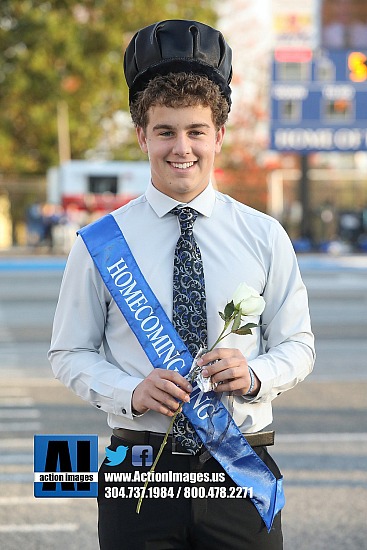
(181, 143)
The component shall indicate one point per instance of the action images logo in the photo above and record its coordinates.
(65, 466)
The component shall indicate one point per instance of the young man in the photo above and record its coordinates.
(180, 233)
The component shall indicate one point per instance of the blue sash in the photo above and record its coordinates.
(165, 349)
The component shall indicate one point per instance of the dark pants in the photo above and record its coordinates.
(181, 515)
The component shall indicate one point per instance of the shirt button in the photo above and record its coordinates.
(123, 411)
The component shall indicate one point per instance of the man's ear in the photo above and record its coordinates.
(142, 140)
(219, 139)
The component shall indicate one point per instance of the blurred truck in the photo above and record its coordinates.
(96, 187)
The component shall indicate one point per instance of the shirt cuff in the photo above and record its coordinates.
(123, 397)
(260, 393)
(135, 414)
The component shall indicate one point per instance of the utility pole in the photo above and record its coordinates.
(63, 132)
(304, 197)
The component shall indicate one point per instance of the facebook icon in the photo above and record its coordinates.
(142, 455)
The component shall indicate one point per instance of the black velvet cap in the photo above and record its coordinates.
(177, 46)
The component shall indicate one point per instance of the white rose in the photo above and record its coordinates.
(248, 300)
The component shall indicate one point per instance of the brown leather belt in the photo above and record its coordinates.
(154, 439)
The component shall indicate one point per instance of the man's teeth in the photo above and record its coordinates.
(182, 165)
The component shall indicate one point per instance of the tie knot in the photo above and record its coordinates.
(186, 217)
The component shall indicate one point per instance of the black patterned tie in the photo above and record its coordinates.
(189, 308)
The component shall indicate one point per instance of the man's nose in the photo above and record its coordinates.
(182, 145)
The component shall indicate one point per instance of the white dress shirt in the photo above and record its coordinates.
(94, 352)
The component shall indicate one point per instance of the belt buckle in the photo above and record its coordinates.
(177, 449)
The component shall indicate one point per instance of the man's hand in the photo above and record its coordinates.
(161, 391)
(229, 370)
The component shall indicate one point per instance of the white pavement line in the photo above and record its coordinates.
(16, 501)
(16, 478)
(321, 437)
(20, 426)
(16, 443)
(38, 527)
(20, 413)
(16, 401)
(14, 459)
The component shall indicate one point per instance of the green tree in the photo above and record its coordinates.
(65, 52)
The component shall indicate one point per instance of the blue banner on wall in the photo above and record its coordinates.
(320, 104)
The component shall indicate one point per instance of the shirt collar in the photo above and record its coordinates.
(162, 204)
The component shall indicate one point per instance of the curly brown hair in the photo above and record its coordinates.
(180, 90)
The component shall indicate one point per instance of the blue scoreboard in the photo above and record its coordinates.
(319, 103)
